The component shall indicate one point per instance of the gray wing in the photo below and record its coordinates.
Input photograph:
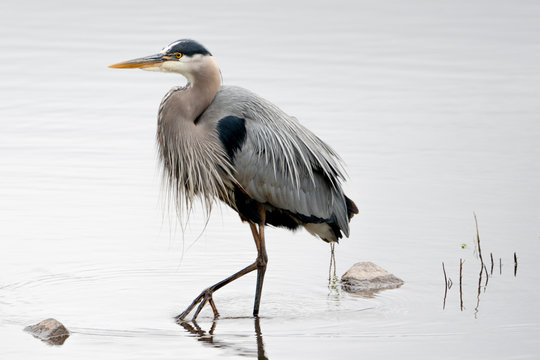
(282, 163)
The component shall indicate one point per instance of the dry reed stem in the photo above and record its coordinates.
(478, 243)
(445, 285)
(478, 294)
(461, 283)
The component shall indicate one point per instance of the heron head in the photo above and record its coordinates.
(183, 56)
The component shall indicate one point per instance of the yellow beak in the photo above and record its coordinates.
(145, 62)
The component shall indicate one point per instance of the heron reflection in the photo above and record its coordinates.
(209, 337)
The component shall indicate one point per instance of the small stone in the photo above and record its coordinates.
(50, 331)
(368, 278)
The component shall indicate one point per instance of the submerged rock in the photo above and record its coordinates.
(50, 331)
(368, 278)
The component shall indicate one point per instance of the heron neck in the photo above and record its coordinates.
(204, 83)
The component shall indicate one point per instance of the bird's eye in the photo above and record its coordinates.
(178, 55)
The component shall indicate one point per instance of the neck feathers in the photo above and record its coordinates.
(194, 163)
(186, 104)
(204, 82)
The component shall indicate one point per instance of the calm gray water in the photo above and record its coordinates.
(433, 106)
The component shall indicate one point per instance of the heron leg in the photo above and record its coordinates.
(260, 265)
(332, 263)
(262, 260)
(206, 295)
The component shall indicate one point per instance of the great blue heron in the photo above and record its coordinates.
(225, 142)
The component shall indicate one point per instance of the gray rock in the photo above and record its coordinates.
(368, 278)
(50, 331)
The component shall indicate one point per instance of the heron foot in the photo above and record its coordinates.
(204, 297)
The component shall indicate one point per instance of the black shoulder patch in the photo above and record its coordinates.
(232, 133)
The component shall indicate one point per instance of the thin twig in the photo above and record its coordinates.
(460, 283)
(487, 278)
(491, 257)
(445, 285)
(478, 294)
(445, 278)
(500, 266)
(478, 243)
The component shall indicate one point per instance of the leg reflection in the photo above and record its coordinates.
(202, 335)
(260, 343)
(210, 338)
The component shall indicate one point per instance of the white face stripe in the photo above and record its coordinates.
(170, 46)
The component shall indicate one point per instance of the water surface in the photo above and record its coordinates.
(433, 106)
